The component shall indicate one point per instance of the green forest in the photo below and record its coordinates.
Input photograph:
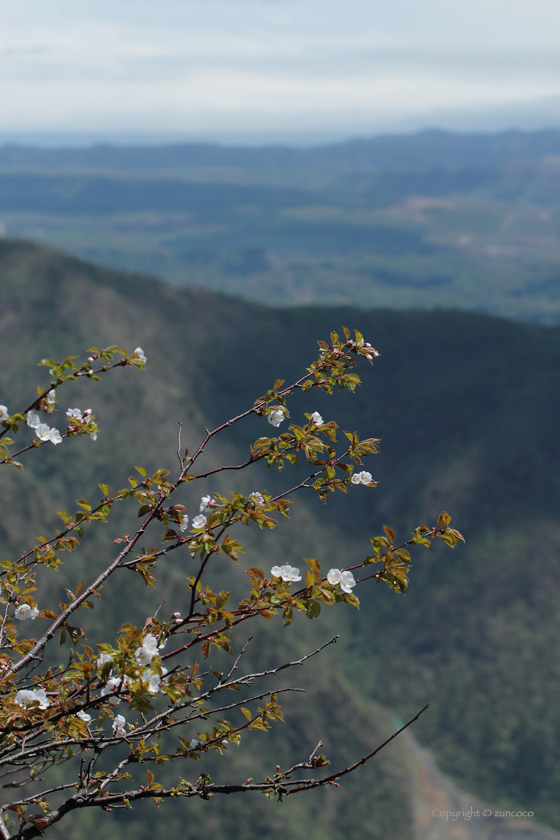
(467, 408)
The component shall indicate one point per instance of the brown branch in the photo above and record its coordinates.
(281, 786)
(332, 778)
(58, 383)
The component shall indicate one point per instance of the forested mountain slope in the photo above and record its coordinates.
(468, 411)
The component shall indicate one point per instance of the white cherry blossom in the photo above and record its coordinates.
(199, 521)
(317, 419)
(195, 742)
(343, 579)
(276, 416)
(74, 414)
(3, 413)
(51, 399)
(206, 505)
(139, 353)
(85, 421)
(102, 659)
(55, 437)
(83, 716)
(184, 524)
(362, 478)
(33, 419)
(119, 725)
(44, 433)
(257, 498)
(289, 574)
(347, 582)
(24, 611)
(28, 695)
(154, 680)
(113, 684)
(148, 650)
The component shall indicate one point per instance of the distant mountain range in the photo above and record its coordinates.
(423, 150)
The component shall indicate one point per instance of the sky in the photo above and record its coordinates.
(276, 69)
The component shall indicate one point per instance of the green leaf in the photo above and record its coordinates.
(313, 609)
(351, 599)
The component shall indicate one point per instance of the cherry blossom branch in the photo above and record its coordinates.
(338, 775)
(79, 373)
(150, 727)
(4, 828)
(228, 523)
(35, 444)
(254, 410)
(71, 526)
(61, 620)
(183, 709)
(281, 785)
(84, 595)
(165, 723)
(179, 456)
(245, 680)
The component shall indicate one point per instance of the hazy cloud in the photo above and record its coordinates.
(196, 65)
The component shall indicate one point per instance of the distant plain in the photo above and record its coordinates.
(434, 220)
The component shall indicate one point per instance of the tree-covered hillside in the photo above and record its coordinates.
(467, 409)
